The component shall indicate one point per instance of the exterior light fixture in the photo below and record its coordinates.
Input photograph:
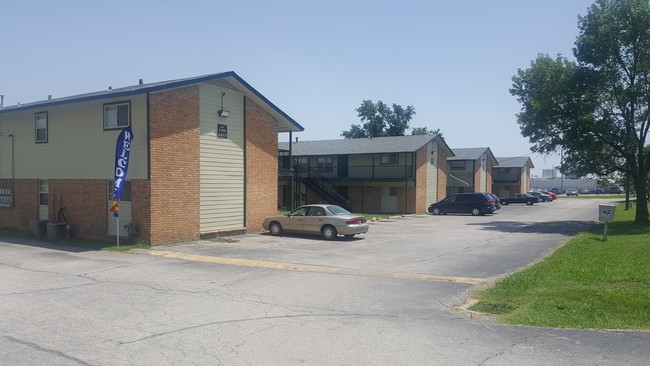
(223, 112)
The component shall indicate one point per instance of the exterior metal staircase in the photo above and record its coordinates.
(324, 189)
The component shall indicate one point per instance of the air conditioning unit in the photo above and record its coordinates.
(56, 230)
(38, 228)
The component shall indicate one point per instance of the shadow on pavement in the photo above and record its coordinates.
(45, 245)
(551, 227)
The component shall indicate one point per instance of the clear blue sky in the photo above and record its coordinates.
(316, 60)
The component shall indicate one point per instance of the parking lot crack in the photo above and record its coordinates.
(47, 350)
(514, 345)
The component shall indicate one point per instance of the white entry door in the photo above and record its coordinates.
(125, 210)
(43, 200)
(388, 199)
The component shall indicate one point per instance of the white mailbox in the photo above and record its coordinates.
(606, 213)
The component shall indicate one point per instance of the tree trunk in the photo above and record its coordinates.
(640, 181)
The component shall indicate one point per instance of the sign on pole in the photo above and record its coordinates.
(122, 154)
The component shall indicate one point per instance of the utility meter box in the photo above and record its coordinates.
(606, 213)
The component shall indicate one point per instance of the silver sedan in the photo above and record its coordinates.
(326, 220)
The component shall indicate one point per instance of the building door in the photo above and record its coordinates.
(125, 211)
(343, 166)
(389, 199)
(43, 200)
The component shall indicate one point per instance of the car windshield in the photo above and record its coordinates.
(337, 210)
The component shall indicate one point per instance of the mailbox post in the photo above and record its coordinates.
(606, 215)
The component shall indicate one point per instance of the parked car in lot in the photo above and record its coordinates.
(542, 197)
(572, 192)
(552, 194)
(327, 220)
(497, 201)
(474, 203)
(519, 198)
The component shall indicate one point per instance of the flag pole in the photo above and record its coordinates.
(118, 229)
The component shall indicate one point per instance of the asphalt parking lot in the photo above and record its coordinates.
(386, 298)
(451, 245)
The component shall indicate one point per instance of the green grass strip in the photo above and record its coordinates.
(587, 283)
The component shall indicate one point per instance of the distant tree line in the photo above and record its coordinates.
(378, 120)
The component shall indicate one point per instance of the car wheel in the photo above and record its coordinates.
(529, 203)
(476, 211)
(275, 228)
(436, 211)
(504, 203)
(329, 232)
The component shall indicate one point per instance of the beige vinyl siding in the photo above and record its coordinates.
(483, 173)
(77, 145)
(222, 160)
(360, 166)
(432, 173)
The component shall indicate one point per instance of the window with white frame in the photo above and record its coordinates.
(41, 127)
(43, 192)
(117, 115)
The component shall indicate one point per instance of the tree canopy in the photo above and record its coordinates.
(378, 119)
(595, 109)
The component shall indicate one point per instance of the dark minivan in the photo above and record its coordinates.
(474, 203)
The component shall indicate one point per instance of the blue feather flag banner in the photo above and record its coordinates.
(122, 154)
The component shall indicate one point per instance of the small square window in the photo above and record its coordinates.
(117, 115)
(41, 127)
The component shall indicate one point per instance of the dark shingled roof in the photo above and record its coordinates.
(227, 78)
(391, 144)
(471, 153)
(515, 162)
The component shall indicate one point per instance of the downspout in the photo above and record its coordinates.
(291, 172)
(149, 140)
(245, 162)
(13, 172)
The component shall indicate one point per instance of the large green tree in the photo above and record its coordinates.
(596, 109)
(378, 119)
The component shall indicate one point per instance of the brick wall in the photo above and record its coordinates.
(488, 176)
(26, 205)
(422, 164)
(141, 208)
(477, 175)
(261, 166)
(174, 191)
(86, 205)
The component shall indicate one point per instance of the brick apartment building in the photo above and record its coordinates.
(396, 174)
(203, 148)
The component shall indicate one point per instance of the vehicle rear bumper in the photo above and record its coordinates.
(353, 229)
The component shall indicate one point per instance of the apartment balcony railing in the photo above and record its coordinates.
(361, 172)
(506, 178)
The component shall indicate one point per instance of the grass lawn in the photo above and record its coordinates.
(588, 283)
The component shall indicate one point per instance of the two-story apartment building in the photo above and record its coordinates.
(512, 175)
(204, 148)
(397, 174)
(470, 170)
